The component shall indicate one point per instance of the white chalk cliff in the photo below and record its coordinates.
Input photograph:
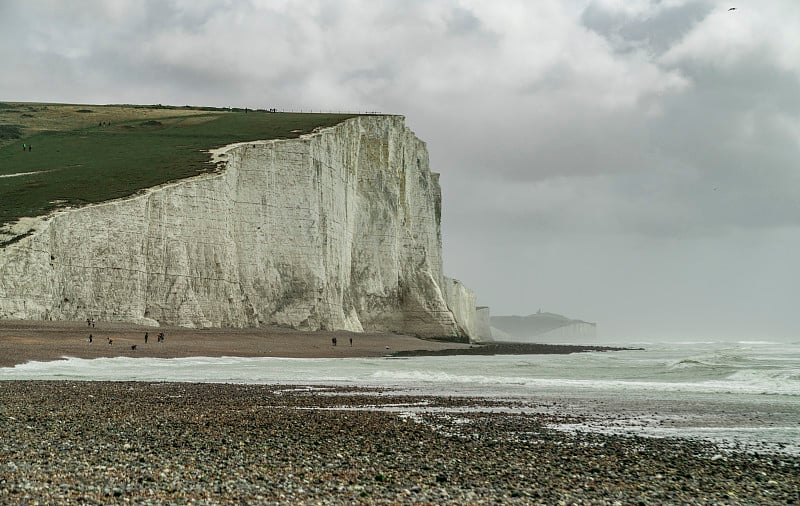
(339, 229)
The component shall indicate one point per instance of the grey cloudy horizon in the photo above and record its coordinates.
(627, 162)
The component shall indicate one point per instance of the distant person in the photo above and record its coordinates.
(145, 338)
(90, 339)
(351, 341)
(30, 147)
(24, 146)
(88, 322)
(110, 341)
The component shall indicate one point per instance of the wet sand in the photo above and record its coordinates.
(24, 341)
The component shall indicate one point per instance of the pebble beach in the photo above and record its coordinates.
(71, 442)
(155, 442)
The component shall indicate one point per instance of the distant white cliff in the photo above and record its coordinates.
(339, 229)
(542, 328)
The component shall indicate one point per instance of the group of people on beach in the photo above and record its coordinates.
(334, 342)
(27, 147)
(91, 340)
(161, 337)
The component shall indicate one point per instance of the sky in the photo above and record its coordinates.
(632, 163)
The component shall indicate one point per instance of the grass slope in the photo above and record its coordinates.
(88, 154)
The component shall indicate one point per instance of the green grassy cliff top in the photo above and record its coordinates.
(80, 154)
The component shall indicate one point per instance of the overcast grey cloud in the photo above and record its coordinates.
(630, 162)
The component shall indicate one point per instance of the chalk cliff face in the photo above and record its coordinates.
(339, 229)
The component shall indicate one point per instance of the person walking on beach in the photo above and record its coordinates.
(90, 339)
(145, 338)
(351, 341)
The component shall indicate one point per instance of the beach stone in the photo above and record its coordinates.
(309, 448)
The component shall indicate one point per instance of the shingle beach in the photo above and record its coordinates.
(179, 443)
(73, 442)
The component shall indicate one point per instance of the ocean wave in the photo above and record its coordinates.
(716, 371)
(691, 363)
(744, 384)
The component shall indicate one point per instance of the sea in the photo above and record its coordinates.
(740, 395)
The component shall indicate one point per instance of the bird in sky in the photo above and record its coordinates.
(732, 9)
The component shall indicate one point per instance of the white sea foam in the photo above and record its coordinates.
(597, 372)
(730, 380)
